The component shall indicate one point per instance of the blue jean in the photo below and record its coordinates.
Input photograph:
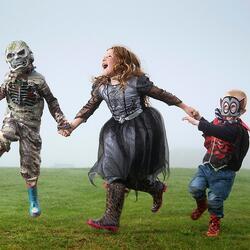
(219, 184)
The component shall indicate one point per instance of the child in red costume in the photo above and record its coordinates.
(227, 142)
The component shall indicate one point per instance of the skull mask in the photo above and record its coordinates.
(18, 56)
(231, 106)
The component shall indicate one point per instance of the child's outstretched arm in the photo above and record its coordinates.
(53, 105)
(85, 112)
(171, 99)
(189, 110)
(145, 86)
(195, 119)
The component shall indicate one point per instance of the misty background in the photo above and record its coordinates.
(194, 49)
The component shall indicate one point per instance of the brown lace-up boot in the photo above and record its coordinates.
(214, 226)
(114, 204)
(201, 208)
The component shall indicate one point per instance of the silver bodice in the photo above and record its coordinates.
(123, 103)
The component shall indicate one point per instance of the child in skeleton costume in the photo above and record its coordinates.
(25, 91)
(133, 148)
(227, 142)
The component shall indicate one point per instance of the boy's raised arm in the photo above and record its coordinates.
(53, 106)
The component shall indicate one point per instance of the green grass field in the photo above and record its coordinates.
(68, 200)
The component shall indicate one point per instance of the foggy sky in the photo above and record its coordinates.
(194, 49)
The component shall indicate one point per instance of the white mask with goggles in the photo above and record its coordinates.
(231, 106)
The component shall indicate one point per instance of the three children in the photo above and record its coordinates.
(133, 148)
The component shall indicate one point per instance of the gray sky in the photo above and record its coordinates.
(195, 49)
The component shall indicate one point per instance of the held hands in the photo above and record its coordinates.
(65, 129)
(194, 118)
(189, 110)
(193, 115)
(191, 120)
(65, 132)
(192, 112)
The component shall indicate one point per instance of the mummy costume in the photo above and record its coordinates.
(25, 91)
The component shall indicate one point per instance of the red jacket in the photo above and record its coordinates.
(226, 143)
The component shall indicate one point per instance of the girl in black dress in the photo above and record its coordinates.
(133, 147)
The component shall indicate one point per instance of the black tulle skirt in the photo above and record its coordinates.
(134, 150)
